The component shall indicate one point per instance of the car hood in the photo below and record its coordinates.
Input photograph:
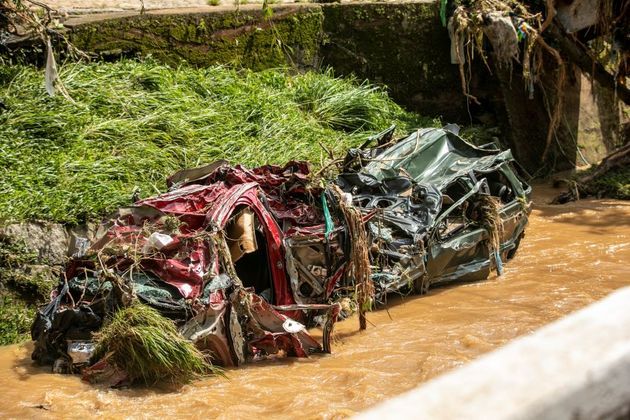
(433, 156)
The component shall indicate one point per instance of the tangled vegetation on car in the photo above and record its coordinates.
(243, 260)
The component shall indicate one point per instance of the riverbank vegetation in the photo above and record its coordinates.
(610, 178)
(130, 124)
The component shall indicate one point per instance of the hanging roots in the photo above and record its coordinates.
(359, 269)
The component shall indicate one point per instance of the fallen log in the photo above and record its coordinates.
(577, 53)
(587, 185)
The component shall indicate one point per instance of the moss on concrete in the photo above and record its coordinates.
(23, 272)
(13, 256)
(401, 45)
(291, 36)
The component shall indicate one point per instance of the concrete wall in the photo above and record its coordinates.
(248, 38)
(402, 46)
(575, 368)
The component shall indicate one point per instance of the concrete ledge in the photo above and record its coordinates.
(575, 368)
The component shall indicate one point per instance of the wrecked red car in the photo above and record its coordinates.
(244, 260)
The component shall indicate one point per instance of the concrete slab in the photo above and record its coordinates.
(575, 368)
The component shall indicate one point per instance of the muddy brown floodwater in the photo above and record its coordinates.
(572, 255)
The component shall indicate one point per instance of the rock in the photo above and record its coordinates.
(34, 281)
(35, 254)
(50, 240)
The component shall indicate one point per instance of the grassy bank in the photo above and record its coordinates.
(131, 124)
(614, 183)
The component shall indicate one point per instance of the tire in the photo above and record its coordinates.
(512, 252)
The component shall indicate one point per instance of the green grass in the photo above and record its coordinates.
(134, 123)
(148, 347)
(22, 272)
(16, 318)
(614, 183)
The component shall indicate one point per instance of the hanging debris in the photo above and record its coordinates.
(506, 24)
(527, 33)
(22, 21)
(503, 37)
(359, 270)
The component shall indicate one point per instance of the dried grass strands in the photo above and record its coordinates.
(489, 217)
(359, 269)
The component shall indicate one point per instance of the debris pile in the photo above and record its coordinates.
(242, 261)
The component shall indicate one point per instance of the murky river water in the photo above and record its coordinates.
(572, 255)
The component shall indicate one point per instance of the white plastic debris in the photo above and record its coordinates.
(292, 326)
(156, 241)
(50, 74)
(81, 246)
(503, 37)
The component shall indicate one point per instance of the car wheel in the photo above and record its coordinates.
(512, 252)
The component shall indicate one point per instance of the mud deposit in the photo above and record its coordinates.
(572, 255)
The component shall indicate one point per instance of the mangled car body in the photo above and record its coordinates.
(243, 260)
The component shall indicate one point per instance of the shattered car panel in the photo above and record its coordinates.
(245, 260)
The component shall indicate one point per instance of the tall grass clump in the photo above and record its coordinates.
(131, 124)
(344, 104)
(147, 346)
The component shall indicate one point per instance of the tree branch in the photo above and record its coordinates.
(578, 54)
